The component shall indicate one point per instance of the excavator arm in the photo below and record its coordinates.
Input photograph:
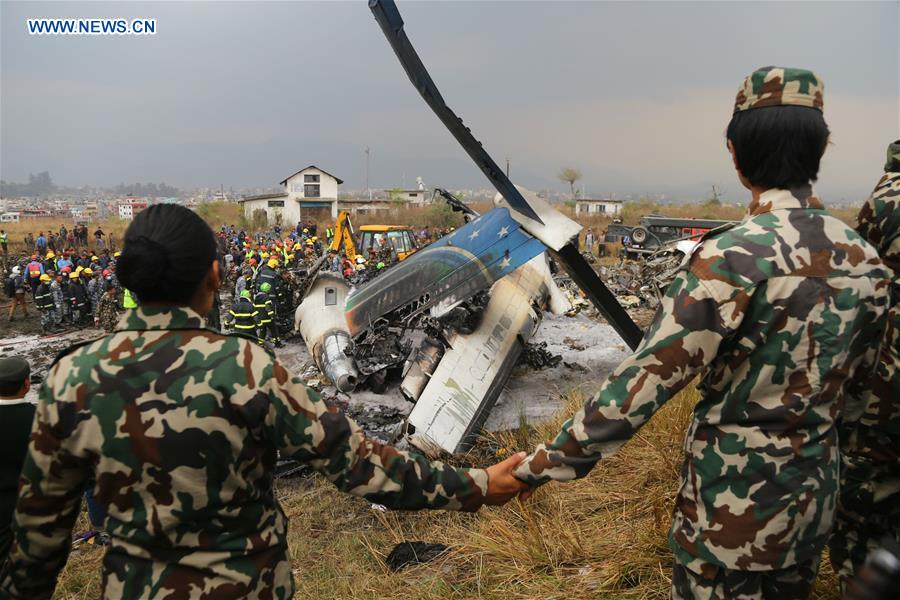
(343, 236)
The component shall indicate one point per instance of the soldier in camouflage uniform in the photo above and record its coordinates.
(179, 427)
(107, 311)
(59, 303)
(869, 506)
(781, 314)
(94, 290)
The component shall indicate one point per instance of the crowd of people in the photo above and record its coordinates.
(74, 285)
(70, 284)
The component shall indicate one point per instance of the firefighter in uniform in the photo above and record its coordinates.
(43, 300)
(263, 303)
(243, 316)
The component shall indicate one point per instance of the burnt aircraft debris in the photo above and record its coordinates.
(451, 321)
(655, 232)
(413, 553)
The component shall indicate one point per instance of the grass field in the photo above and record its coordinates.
(600, 537)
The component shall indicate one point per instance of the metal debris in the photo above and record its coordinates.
(413, 553)
(537, 356)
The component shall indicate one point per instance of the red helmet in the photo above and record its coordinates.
(67, 269)
(105, 272)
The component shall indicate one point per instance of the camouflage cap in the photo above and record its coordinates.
(893, 158)
(780, 86)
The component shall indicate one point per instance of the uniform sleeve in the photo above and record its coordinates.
(683, 338)
(306, 429)
(50, 490)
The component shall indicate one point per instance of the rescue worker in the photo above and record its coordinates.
(34, 269)
(782, 314)
(50, 262)
(56, 293)
(263, 303)
(243, 316)
(243, 283)
(63, 280)
(869, 505)
(78, 299)
(43, 300)
(108, 310)
(18, 289)
(267, 274)
(128, 299)
(284, 306)
(191, 420)
(94, 290)
(387, 254)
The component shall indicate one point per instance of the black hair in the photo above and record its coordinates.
(778, 146)
(168, 251)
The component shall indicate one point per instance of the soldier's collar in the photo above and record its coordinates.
(777, 199)
(149, 318)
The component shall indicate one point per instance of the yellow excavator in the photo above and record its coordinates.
(401, 236)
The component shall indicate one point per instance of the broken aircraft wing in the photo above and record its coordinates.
(451, 269)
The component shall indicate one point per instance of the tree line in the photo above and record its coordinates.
(42, 184)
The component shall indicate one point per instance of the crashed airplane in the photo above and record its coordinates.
(452, 319)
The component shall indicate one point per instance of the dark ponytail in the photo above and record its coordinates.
(168, 251)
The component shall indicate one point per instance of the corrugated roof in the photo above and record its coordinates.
(264, 197)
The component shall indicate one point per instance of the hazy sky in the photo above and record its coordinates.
(636, 95)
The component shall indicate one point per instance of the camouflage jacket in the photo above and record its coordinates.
(179, 427)
(108, 312)
(782, 313)
(873, 419)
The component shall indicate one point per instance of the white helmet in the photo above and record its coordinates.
(16, 270)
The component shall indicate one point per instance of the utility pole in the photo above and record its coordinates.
(368, 189)
(507, 168)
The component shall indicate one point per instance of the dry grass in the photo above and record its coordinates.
(603, 536)
(219, 213)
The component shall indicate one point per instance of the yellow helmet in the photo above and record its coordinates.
(50, 254)
(273, 262)
(88, 272)
(45, 277)
(117, 254)
(73, 275)
(94, 258)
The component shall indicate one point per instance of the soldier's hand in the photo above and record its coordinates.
(502, 484)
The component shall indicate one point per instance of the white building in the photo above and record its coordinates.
(588, 207)
(127, 210)
(308, 188)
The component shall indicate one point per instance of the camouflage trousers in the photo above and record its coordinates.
(47, 319)
(62, 313)
(868, 511)
(706, 581)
